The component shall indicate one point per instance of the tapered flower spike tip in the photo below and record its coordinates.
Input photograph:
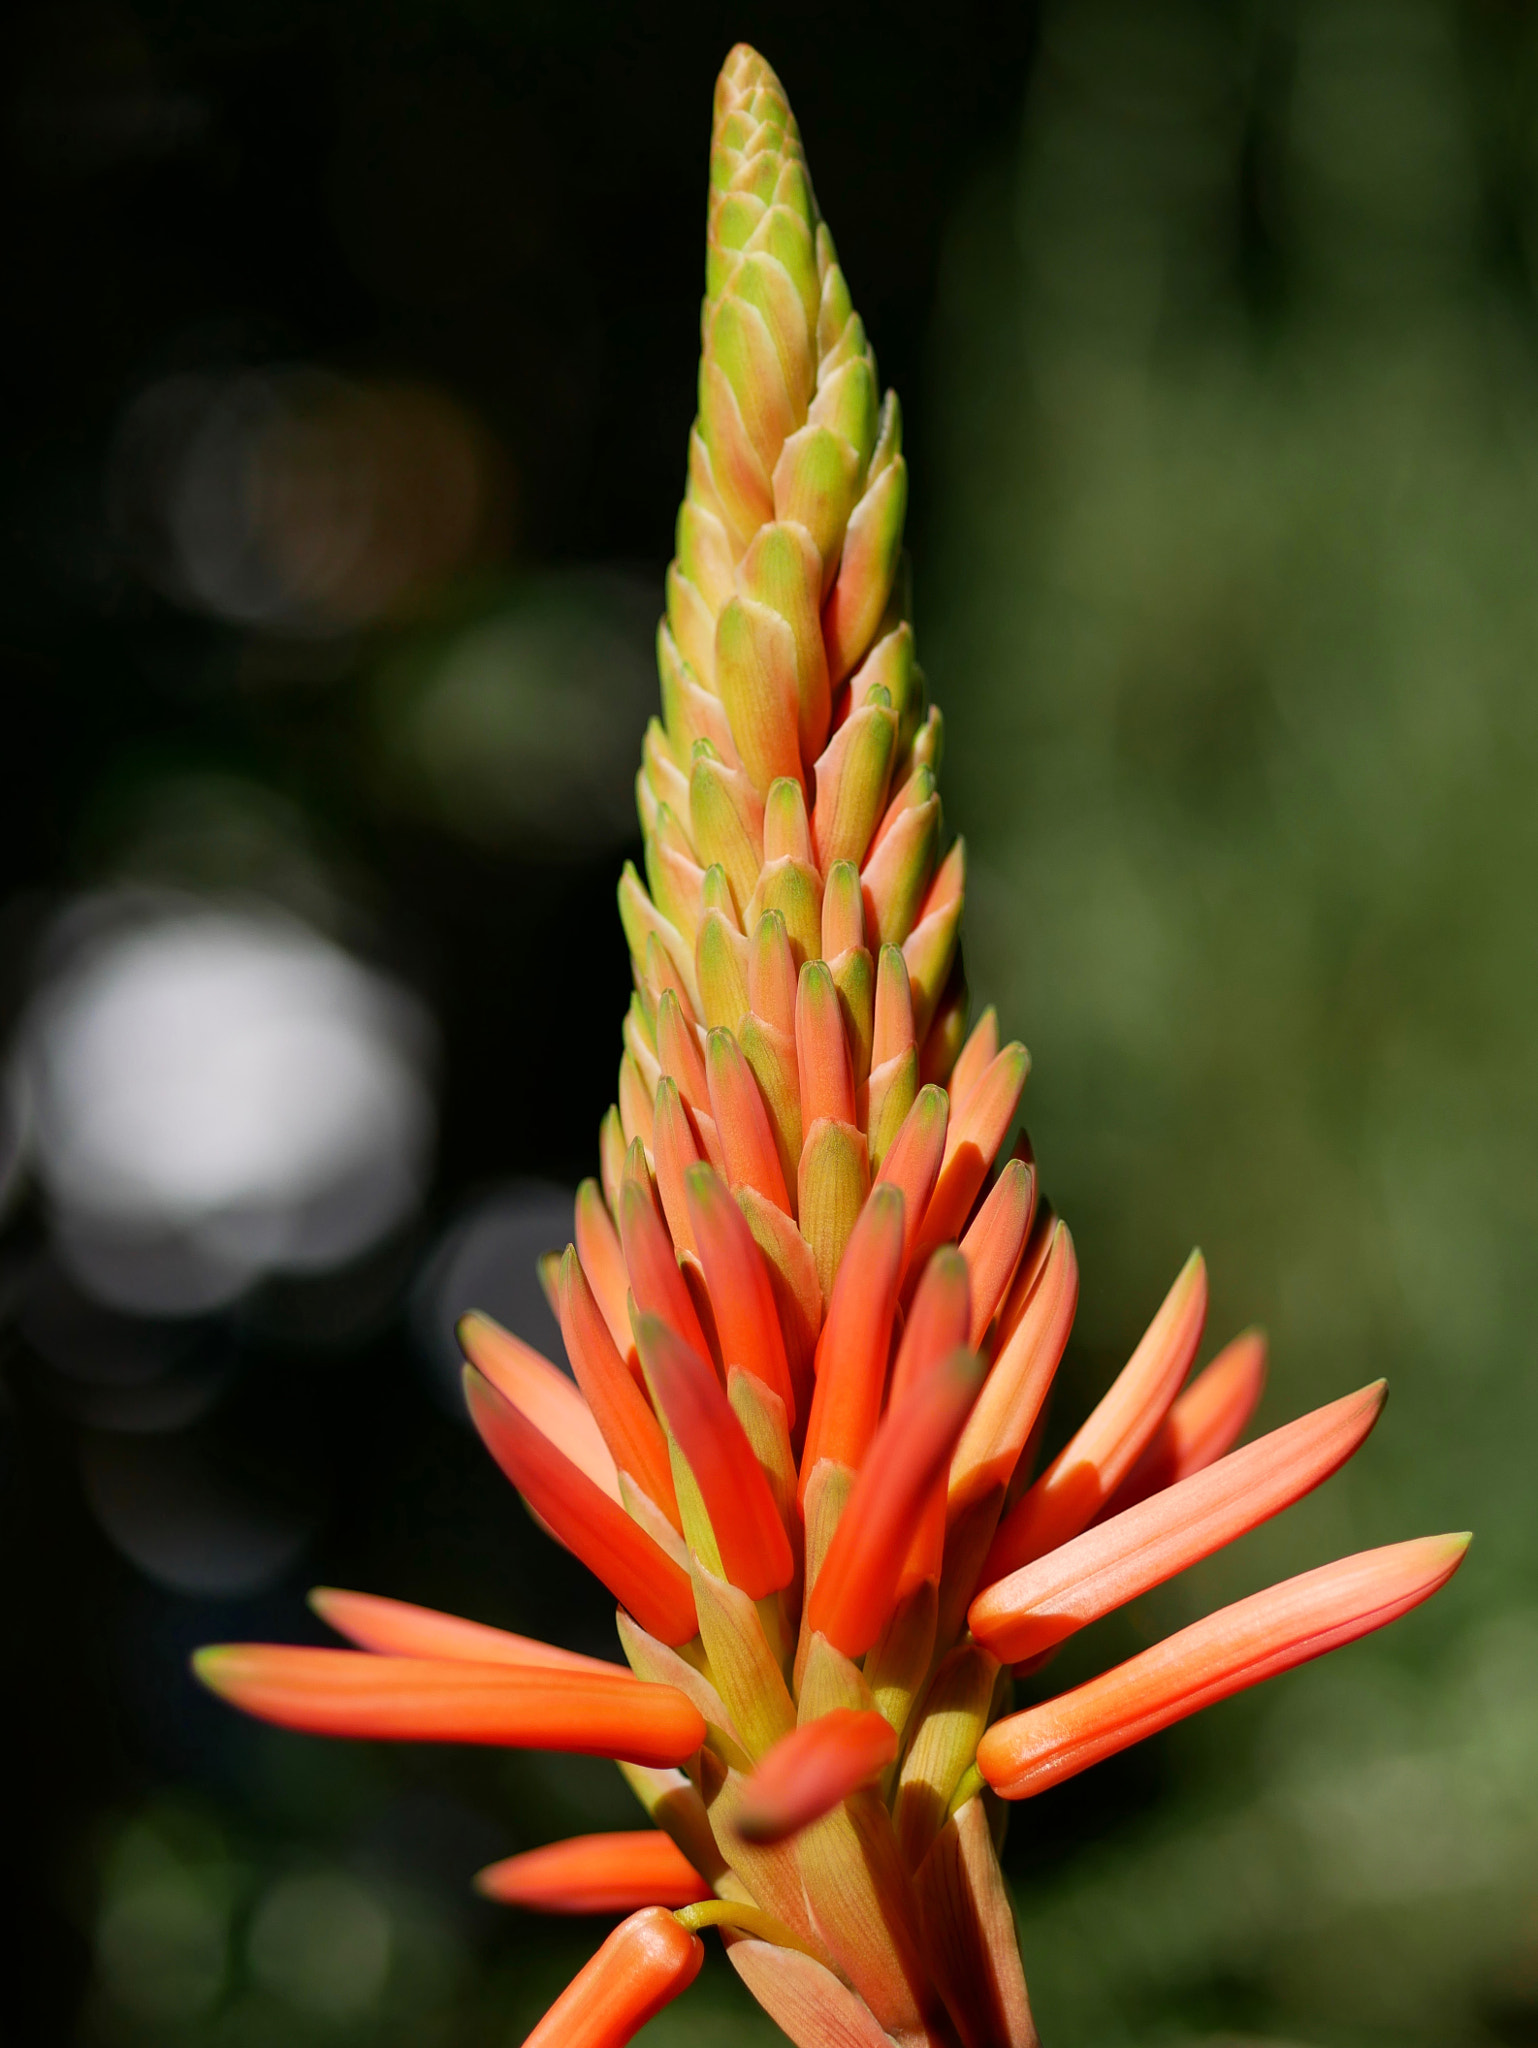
(812, 1314)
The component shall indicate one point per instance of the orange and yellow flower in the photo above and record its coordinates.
(813, 1306)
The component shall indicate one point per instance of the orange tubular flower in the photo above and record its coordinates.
(598, 1874)
(815, 1301)
(642, 1967)
(812, 1770)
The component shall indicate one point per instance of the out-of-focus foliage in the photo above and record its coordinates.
(1236, 621)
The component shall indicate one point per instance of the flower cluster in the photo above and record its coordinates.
(813, 1307)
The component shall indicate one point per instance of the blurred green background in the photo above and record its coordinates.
(1235, 600)
(352, 363)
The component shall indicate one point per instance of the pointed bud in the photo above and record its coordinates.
(642, 919)
(642, 1967)
(1228, 1651)
(856, 1590)
(611, 1156)
(822, 1051)
(912, 1161)
(782, 571)
(1207, 1420)
(746, 1321)
(894, 1072)
(852, 1354)
(1084, 1475)
(816, 481)
(657, 1285)
(678, 1052)
(635, 1102)
(928, 730)
(846, 405)
(704, 553)
(620, 1409)
(852, 782)
(664, 779)
(747, 1140)
(1035, 1608)
(721, 963)
(832, 1183)
(813, 1769)
(976, 1057)
(894, 1032)
(616, 1873)
(793, 889)
(759, 279)
(930, 948)
(897, 871)
(771, 1054)
(615, 1550)
(793, 1279)
(1014, 1391)
(598, 1247)
(675, 878)
(939, 1321)
(395, 1628)
(726, 823)
(937, 1325)
(869, 563)
(740, 355)
(543, 1393)
(854, 976)
(689, 638)
(772, 974)
(640, 1029)
(756, 675)
(890, 666)
(995, 1242)
(948, 1031)
(787, 831)
(750, 1536)
(638, 1168)
(675, 1151)
(422, 1699)
(972, 1142)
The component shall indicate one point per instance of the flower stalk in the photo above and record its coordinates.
(814, 1300)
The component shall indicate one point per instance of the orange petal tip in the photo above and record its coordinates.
(610, 1873)
(642, 1967)
(1224, 1653)
(358, 1694)
(812, 1770)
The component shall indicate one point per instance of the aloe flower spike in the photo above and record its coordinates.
(815, 1300)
